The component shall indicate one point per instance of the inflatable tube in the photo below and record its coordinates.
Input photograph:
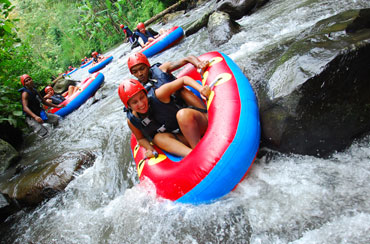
(84, 65)
(164, 41)
(227, 150)
(101, 64)
(87, 88)
(74, 70)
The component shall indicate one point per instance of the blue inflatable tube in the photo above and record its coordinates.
(164, 43)
(82, 97)
(227, 150)
(75, 69)
(229, 170)
(83, 66)
(101, 65)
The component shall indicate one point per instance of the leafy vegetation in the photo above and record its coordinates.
(42, 38)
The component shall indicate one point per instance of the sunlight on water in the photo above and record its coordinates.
(284, 199)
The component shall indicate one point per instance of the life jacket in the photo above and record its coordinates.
(161, 117)
(34, 101)
(127, 31)
(57, 99)
(145, 36)
(96, 59)
(157, 77)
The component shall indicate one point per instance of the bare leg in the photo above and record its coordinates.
(191, 99)
(193, 125)
(72, 89)
(169, 143)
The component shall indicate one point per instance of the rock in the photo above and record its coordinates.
(361, 21)
(197, 24)
(7, 207)
(62, 85)
(221, 28)
(8, 155)
(11, 134)
(169, 17)
(239, 8)
(43, 180)
(319, 109)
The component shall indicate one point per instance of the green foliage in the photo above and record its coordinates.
(9, 111)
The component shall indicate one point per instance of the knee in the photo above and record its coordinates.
(161, 139)
(185, 117)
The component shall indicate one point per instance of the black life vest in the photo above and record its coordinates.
(160, 118)
(128, 31)
(145, 36)
(57, 99)
(34, 101)
(157, 77)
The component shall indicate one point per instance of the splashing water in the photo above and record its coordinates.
(284, 199)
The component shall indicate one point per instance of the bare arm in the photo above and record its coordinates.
(171, 66)
(141, 42)
(164, 92)
(142, 140)
(27, 110)
(48, 95)
(50, 104)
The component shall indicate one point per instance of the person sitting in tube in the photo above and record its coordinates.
(152, 77)
(157, 119)
(51, 97)
(96, 57)
(144, 36)
(83, 61)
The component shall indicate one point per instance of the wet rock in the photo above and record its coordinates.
(319, 109)
(7, 207)
(43, 180)
(169, 17)
(221, 28)
(239, 8)
(62, 85)
(11, 134)
(8, 155)
(197, 24)
(361, 21)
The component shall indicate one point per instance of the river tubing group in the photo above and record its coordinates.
(194, 136)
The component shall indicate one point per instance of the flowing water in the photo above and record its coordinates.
(284, 199)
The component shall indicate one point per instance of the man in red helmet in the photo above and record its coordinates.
(144, 36)
(128, 33)
(159, 74)
(96, 57)
(31, 103)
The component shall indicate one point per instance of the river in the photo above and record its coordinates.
(284, 199)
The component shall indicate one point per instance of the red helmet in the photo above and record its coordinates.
(94, 54)
(128, 89)
(140, 26)
(122, 26)
(48, 88)
(137, 58)
(24, 77)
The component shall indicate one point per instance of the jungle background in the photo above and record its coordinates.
(43, 37)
